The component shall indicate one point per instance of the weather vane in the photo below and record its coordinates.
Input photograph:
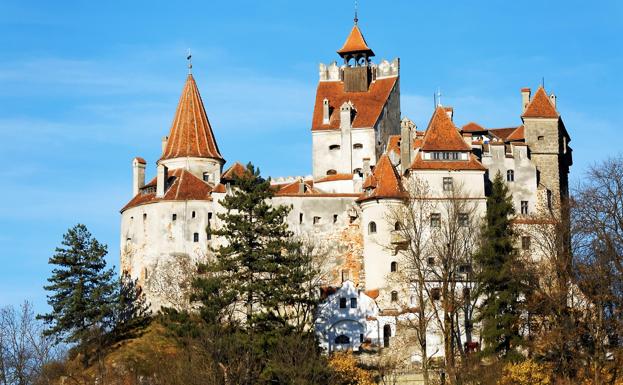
(190, 62)
(356, 7)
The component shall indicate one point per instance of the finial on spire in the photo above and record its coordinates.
(356, 6)
(190, 62)
(438, 98)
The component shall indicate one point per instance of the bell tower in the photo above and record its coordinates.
(356, 55)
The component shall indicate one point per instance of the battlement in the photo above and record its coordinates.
(332, 72)
(289, 179)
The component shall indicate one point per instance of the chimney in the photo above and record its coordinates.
(366, 167)
(525, 99)
(301, 186)
(138, 175)
(449, 112)
(165, 139)
(406, 138)
(345, 115)
(325, 111)
(552, 98)
(467, 137)
(161, 180)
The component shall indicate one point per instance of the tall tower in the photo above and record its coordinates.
(548, 141)
(357, 108)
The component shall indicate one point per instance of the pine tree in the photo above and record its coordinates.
(82, 290)
(502, 277)
(130, 311)
(260, 270)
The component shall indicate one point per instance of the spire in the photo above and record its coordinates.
(355, 43)
(191, 134)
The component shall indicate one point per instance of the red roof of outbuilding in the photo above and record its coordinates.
(191, 133)
(235, 170)
(385, 181)
(540, 106)
(442, 134)
(473, 127)
(368, 104)
(182, 185)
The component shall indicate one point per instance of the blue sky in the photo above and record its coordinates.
(85, 86)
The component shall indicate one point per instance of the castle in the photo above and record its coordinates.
(366, 160)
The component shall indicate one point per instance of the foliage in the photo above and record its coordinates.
(348, 371)
(260, 273)
(82, 290)
(525, 373)
(502, 277)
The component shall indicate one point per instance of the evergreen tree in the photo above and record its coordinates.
(130, 311)
(260, 271)
(502, 277)
(82, 290)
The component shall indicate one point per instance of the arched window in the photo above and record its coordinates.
(397, 226)
(334, 147)
(510, 176)
(357, 146)
(394, 296)
(372, 228)
(331, 172)
(393, 267)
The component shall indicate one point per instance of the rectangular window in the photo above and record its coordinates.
(436, 155)
(174, 217)
(353, 303)
(316, 220)
(334, 218)
(435, 220)
(447, 184)
(431, 261)
(463, 220)
(446, 155)
(435, 294)
(342, 303)
(300, 218)
(525, 243)
(524, 207)
(196, 237)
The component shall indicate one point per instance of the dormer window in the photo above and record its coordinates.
(331, 172)
(334, 147)
(207, 177)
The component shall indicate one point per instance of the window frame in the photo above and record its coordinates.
(372, 228)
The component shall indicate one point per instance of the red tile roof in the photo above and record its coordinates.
(442, 134)
(355, 43)
(294, 188)
(331, 178)
(191, 133)
(473, 127)
(140, 160)
(385, 181)
(235, 170)
(471, 164)
(368, 105)
(393, 144)
(182, 186)
(540, 106)
(518, 134)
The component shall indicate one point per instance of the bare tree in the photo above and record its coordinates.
(23, 349)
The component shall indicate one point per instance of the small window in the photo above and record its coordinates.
(397, 226)
(357, 146)
(393, 267)
(372, 228)
(144, 216)
(463, 219)
(435, 294)
(394, 296)
(334, 218)
(194, 214)
(206, 177)
(331, 172)
(174, 217)
(447, 184)
(196, 237)
(353, 303)
(549, 199)
(342, 303)
(361, 337)
(342, 339)
(431, 261)
(316, 220)
(334, 147)
(436, 155)
(446, 155)
(525, 243)
(524, 207)
(435, 220)
(345, 275)
(510, 176)
(358, 171)
(540, 138)
(465, 268)
(300, 218)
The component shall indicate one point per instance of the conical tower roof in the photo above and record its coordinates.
(191, 133)
(355, 43)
